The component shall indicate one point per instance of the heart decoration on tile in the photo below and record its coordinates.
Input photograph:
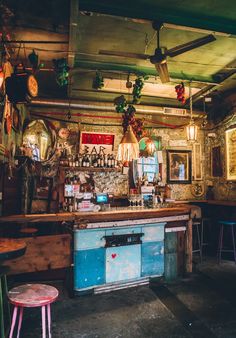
(113, 255)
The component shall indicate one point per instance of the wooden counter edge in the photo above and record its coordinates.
(96, 216)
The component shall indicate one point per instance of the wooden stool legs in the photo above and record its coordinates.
(44, 309)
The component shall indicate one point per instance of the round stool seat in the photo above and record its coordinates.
(32, 295)
(227, 222)
(28, 231)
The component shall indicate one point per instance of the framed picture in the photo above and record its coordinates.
(179, 166)
(230, 144)
(197, 162)
(216, 162)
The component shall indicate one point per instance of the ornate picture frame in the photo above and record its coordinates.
(179, 166)
(230, 150)
(197, 162)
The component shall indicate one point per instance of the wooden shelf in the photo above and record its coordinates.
(91, 169)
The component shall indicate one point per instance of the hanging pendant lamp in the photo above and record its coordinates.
(129, 147)
(192, 128)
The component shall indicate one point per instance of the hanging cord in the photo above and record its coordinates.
(18, 53)
(26, 62)
(190, 101)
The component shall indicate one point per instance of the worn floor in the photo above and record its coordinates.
(201, 306)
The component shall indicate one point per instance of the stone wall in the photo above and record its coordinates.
(222, 189)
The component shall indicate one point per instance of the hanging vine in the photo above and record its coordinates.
(128, 110)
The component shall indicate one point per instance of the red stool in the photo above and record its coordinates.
(32, 295)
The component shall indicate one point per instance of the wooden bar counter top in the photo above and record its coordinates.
(112, 214)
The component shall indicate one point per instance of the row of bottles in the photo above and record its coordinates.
(89, 160)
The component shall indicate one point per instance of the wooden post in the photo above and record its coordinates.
(188, 247)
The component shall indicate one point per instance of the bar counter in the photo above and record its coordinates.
(110, 215)
(169, 255)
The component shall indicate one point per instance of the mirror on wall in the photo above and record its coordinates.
(148, 163)
(39, 140)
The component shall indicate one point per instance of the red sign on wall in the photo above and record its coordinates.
(93, 138)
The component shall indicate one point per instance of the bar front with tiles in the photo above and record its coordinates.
(117, 169)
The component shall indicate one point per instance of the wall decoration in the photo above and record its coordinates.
(197, 162)
(179, 166)
(99, 141)
(216, 162)
(230, 143)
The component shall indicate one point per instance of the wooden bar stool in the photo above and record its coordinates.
(227, 224)
(196, 215)
(32, 295)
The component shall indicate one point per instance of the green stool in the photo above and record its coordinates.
(4, 304)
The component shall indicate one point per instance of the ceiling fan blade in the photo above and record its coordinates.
(163, 72)
(124, 54)
(190, 45)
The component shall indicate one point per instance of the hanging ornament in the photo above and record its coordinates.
(61, 69)
(120, 103)
(137, 89)
(180, 90)
(34, 61)
(98, 82)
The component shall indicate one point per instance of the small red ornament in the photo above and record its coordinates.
(180, 90)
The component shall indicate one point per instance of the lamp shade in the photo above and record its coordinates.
(1, 77)
(191, 130)
(129, 147)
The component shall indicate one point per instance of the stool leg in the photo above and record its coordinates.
(20, 321)
(5, 292)
(49, 320)
(13, 322)
(232, 231)
(1, 312)
(199, 243)
(220, 242)
(43, 322)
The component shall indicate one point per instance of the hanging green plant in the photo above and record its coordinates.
(137, 88)
(120, 103)
(61, 69)
(98, 82)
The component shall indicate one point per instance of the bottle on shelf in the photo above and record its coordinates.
(105, 161)
(84, 161)
(102, 161)
(87, 161)
(76, 161)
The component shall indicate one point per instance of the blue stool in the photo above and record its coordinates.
(226, 224)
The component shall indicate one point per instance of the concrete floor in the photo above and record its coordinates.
(203, 305)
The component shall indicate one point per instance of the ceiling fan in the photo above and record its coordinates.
(159, 59)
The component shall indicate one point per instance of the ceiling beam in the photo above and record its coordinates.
(134, 69)
(74, 13)
(164, 13)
